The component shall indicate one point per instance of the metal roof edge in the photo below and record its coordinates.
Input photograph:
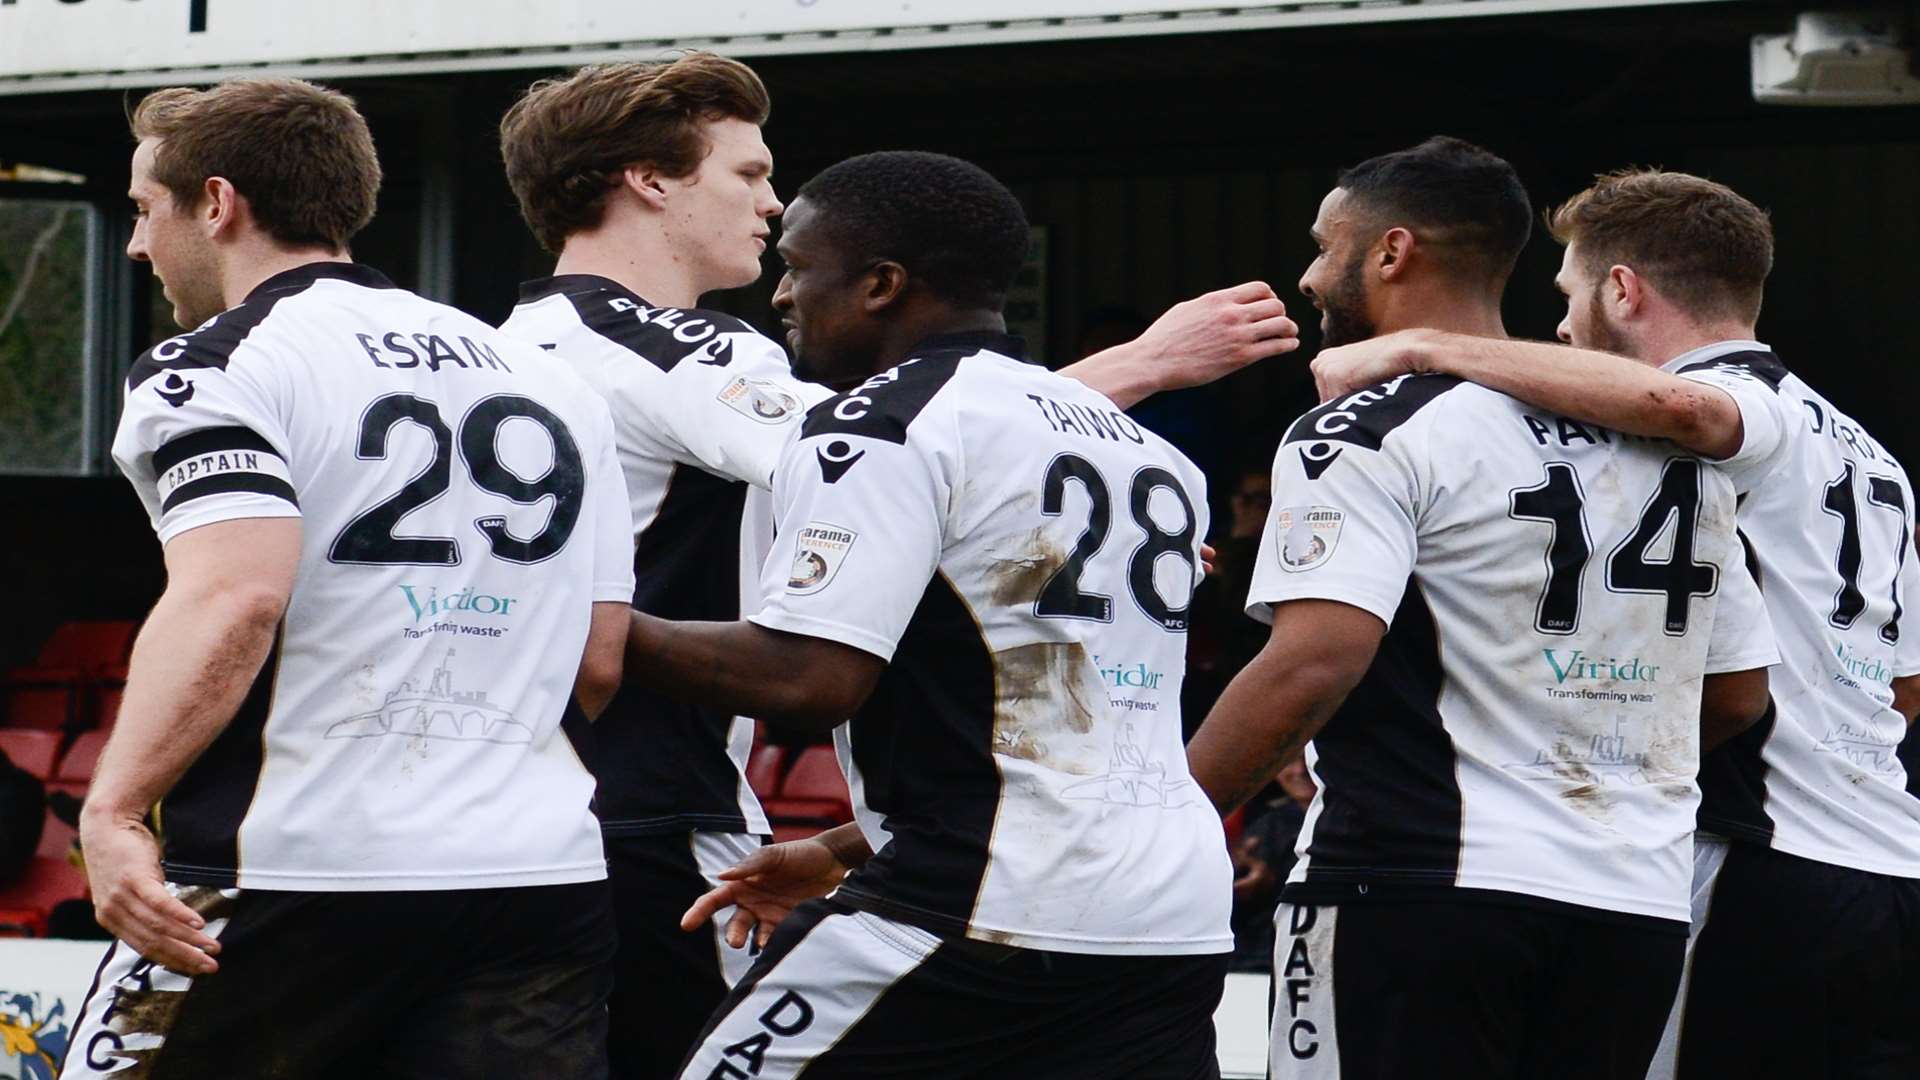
(947, 35)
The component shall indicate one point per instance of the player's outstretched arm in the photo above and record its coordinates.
(1596, 387)
(1196, 342)
(1317, 652)
(192, 665)
(1730, 703)
(752, 670)
(765, 887)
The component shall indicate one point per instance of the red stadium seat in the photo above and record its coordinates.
(82, 649)
(77, 766)
(56, 838)
(50, 706)
(31, 749)
(108, 705)
(763, 770)
(814, 790)
(54, 690)
(1236, 824)
(24, 907)
(785, 831)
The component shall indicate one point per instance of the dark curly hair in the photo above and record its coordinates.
(1465, 202)
(959, 232)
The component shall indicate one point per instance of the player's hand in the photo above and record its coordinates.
(1253, 876)
(131, 900)
(765, 887)
(1207, 556)
(1343, 369)
(1216, 334)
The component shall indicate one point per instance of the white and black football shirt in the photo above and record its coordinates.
(1555, 591)
(702, 405)
(1023, 555)
(1831, 536)
(461, 510)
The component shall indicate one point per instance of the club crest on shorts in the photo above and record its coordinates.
(759, 400)
(818, 552)
(1306, 535)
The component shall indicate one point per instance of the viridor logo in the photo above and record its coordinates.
(428, 603)
(1577, 665)
(1870, 668)
(1135, 677)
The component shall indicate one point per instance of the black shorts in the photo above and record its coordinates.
(1395, 989)
(847, 994)
(666, 981)
(1806, 970)
(441, 984)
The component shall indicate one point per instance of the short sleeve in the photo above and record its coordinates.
(861, 529)
(613, 576)
(1341, 528)
(1766, 419)
(1742, 635)
(202, 440)
(729, 409)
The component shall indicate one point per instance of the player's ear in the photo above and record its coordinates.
(884, 284)
(220, 205)
(1624, 291)
(647, 184)
(1391, 252)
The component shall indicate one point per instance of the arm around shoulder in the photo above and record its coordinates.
(1594, 387)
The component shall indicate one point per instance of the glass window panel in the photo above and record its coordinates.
(48, 296)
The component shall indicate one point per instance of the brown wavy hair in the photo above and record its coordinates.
(1701, 244)
(567, 140)
(300, 154)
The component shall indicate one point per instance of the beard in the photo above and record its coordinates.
(1343, 308)
(1603, 335)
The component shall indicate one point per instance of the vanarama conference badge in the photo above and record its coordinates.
(759, 400)
(1307, 535)
(819, 551)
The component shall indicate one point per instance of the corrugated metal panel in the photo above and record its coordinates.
(1304, 13)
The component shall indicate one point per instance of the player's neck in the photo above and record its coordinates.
(639, 261)
(1682, 338)
(1456, 317)
(905, 335)
(244, 270)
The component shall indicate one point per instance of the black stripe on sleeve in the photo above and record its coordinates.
(209, 441)
(1365, 417)
(226, 482)
(1763, 366)
(884, 406)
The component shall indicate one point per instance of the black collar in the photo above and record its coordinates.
(298, 278)
(568, 284)
(973, 341)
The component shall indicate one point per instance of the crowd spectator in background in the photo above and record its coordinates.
(23, 801)
(1221, 638)
(1262, 859)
